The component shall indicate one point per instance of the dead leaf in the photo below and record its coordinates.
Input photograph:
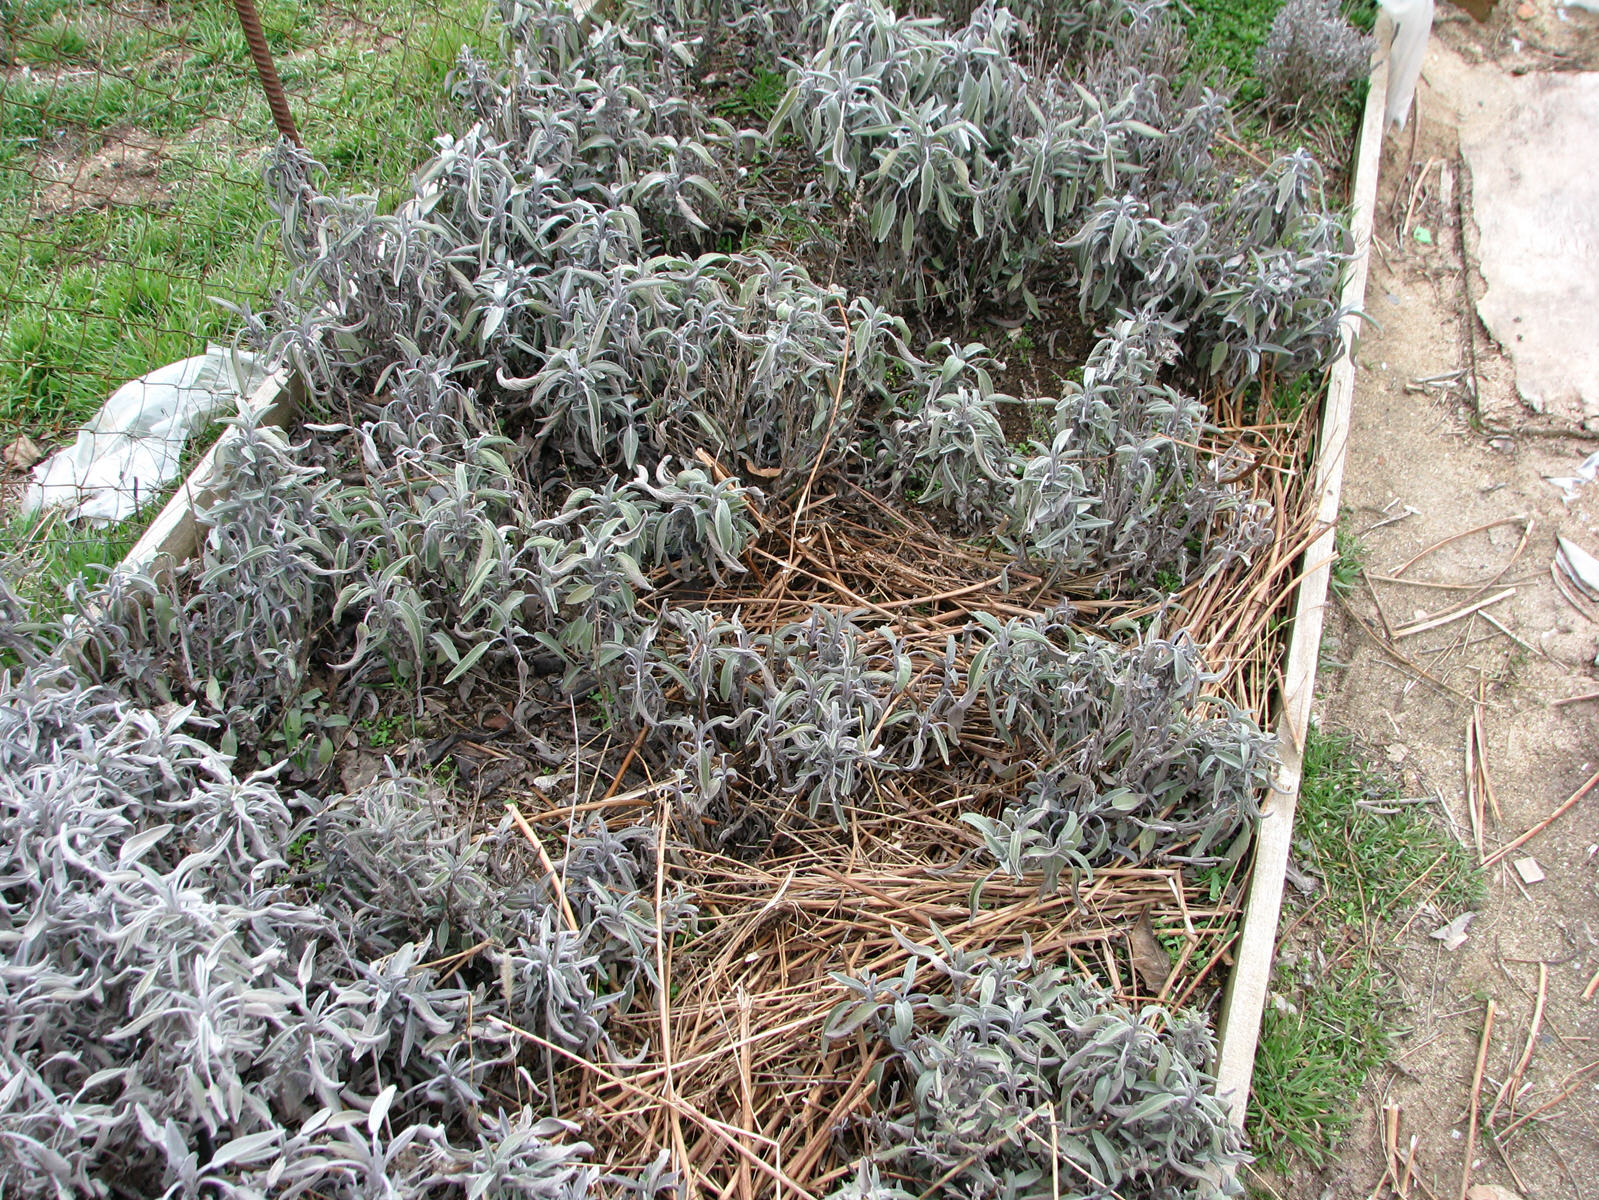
(1481, 9)
(21, 454)
(762, 472)
(1303, 881)
(1453, 935)
(1150, 960)
(1491, 1191)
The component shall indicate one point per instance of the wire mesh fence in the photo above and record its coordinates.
(131, 199)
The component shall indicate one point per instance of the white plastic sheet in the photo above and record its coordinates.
(133, 446)
(1412, 26)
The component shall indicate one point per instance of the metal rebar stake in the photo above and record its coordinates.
(276, 100)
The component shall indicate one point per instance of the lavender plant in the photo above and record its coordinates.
(183, 1020)
(1015, 1079)
(1122, 762)
(1311, 55)
(1120, 487)
(971, 176)
(1125, 765)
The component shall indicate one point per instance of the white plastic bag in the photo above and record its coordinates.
(1412, 26)
(133, 446)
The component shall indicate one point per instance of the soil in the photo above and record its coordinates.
(1442, 448)
(123, 170)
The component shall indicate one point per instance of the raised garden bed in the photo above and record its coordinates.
(708, 743)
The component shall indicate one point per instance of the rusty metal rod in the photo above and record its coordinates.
(276, 100)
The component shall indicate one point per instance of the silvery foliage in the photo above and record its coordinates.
(613, 106)
(264, 583)
(518, 294)
(1122, 764)
(811, 709)
(1250, 279)
(454, 551)
(1061, 29)
(969, 174)
(1019, 1080)
(213, 988)
(1311, 55)
(429, 568)
(1119, 487)
(529, 258)
(521, 385)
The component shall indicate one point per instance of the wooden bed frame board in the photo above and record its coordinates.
(174, 535)
(1244, 1003)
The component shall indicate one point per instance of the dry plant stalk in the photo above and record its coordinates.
(1476, 1096)
(1564, 807)
(1512, 1084)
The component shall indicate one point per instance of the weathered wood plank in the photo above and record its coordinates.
(1245, 1001)
(174, 534)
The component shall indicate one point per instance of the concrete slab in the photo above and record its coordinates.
(1531, 144)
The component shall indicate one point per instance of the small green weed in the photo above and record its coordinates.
(757, 100)
(298, 853)
(1335, 1016)
(1351, 559)
(385, 731)
(1291, 396)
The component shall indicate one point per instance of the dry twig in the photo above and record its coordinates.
(1565, 807)
(1512, 1084)
(1476, 1090)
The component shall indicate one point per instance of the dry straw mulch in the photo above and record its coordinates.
(727, 1068)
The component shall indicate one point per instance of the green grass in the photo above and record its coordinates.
(757, 100)
(58, 553)
(1311, 1064)
(1351, 558)
(1369, 850)
(1226, 34)
(1223, 38)
(1378, 861)
(93, 297)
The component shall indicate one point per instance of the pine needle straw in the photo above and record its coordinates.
(724, 1066)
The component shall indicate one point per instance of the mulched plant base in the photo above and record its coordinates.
(737, 1054)
(727, 1069)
